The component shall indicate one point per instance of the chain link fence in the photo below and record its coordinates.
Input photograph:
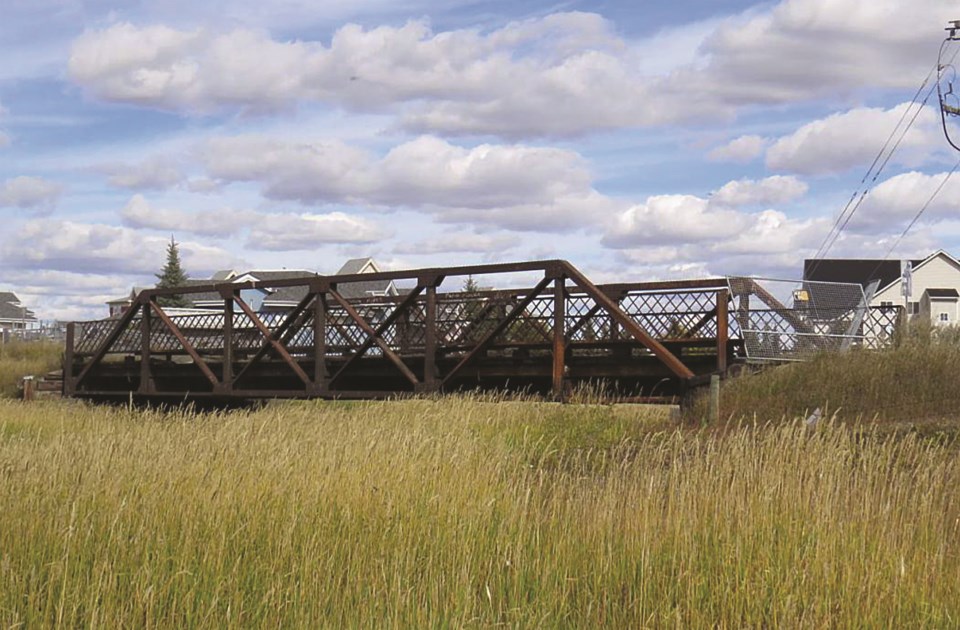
(790, 320)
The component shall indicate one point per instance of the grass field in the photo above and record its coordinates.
(464, 512)
(479, 512)
(19, 359)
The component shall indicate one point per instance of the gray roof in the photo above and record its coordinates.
(280, 294)
(354, 265)
(293, 295)
(9, 311)
(943, 293)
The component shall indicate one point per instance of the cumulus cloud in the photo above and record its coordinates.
(30, 193)
(577, 74)
(156, 173)
(140, 213)
(853, 138)
(104, 249)
(770, 190)
(899, 199)
(281, 232)
(461, 243)
(516, 186)
(268, 231)
(663, 219)
(743, 149)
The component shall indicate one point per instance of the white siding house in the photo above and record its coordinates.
(935, 278)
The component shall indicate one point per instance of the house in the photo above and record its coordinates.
(278, 299)
(13, 314)
(934, 284)
(372, 288)
(118, 306)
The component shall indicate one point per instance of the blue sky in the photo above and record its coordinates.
(637, 140)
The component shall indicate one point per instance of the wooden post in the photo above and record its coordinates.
(227, 380)
(713, 412)
(146, 376)
(430, 341)
(723, 331)
(320, 343)
(28, 388)
(559, 345)
(68, 361)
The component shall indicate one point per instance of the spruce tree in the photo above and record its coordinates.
(172, 275)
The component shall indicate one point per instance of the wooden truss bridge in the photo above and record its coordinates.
(650, 340)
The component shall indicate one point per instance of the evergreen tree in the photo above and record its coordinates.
(470, 285)
(172, 275)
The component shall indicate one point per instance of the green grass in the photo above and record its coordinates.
(917, 382)
(464, 512)
(19, 359)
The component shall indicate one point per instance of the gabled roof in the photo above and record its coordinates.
(358, 265)
(860, 271)
(11, 310)
(943, 293)
(919, 265)
(274, 295)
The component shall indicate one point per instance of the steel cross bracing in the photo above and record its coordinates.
(640, 339)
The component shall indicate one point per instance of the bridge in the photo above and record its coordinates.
(644, 340)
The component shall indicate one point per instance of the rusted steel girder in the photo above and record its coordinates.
(444, 352)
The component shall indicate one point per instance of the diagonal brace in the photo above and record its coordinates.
(274, 342)
(629, 324)
(107, 343)
(377, 336)
(272, 338)
(372, 334)
(176, 332)
(506, 321)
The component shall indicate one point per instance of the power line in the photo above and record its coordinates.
(882, 159)
(923, 209)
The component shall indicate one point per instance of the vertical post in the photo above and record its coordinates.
(320, 343)
(430, 341)
(146, 377)
(713, 413)
(723, 331)
(227, 379)
(28, 388)
(68, 361)
(559, 345)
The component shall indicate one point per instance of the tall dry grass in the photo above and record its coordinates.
(916, 380)
(467, 513)
(23, 358)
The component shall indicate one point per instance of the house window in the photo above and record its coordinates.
(944, 317)
(885, 305)
(914, 308)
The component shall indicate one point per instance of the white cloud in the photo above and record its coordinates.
(800, 49)
(305, 231)
(153, 174)
(462, 243)
(898, 199)
(30, 193)
(666, 219)
(139, 213)
(512, 186)
(103, 249)
(561, 74)
(743, 149)
(770, 190)
(853, 138)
